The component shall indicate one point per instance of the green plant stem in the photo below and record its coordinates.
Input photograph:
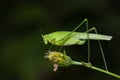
(88, 65)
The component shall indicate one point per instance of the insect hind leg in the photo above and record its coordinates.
(100, 46)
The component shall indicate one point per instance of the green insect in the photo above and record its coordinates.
(66, 38)
(79, 38)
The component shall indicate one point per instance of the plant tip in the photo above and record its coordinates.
(58, 59)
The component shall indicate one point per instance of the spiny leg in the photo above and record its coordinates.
(68, 36)
(101, 49)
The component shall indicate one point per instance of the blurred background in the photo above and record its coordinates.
(22, 49)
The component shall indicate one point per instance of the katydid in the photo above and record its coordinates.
(66, 38)
(79, 38)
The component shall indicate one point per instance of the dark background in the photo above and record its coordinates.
(22, 49)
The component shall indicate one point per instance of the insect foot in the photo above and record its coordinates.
(89, 65)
